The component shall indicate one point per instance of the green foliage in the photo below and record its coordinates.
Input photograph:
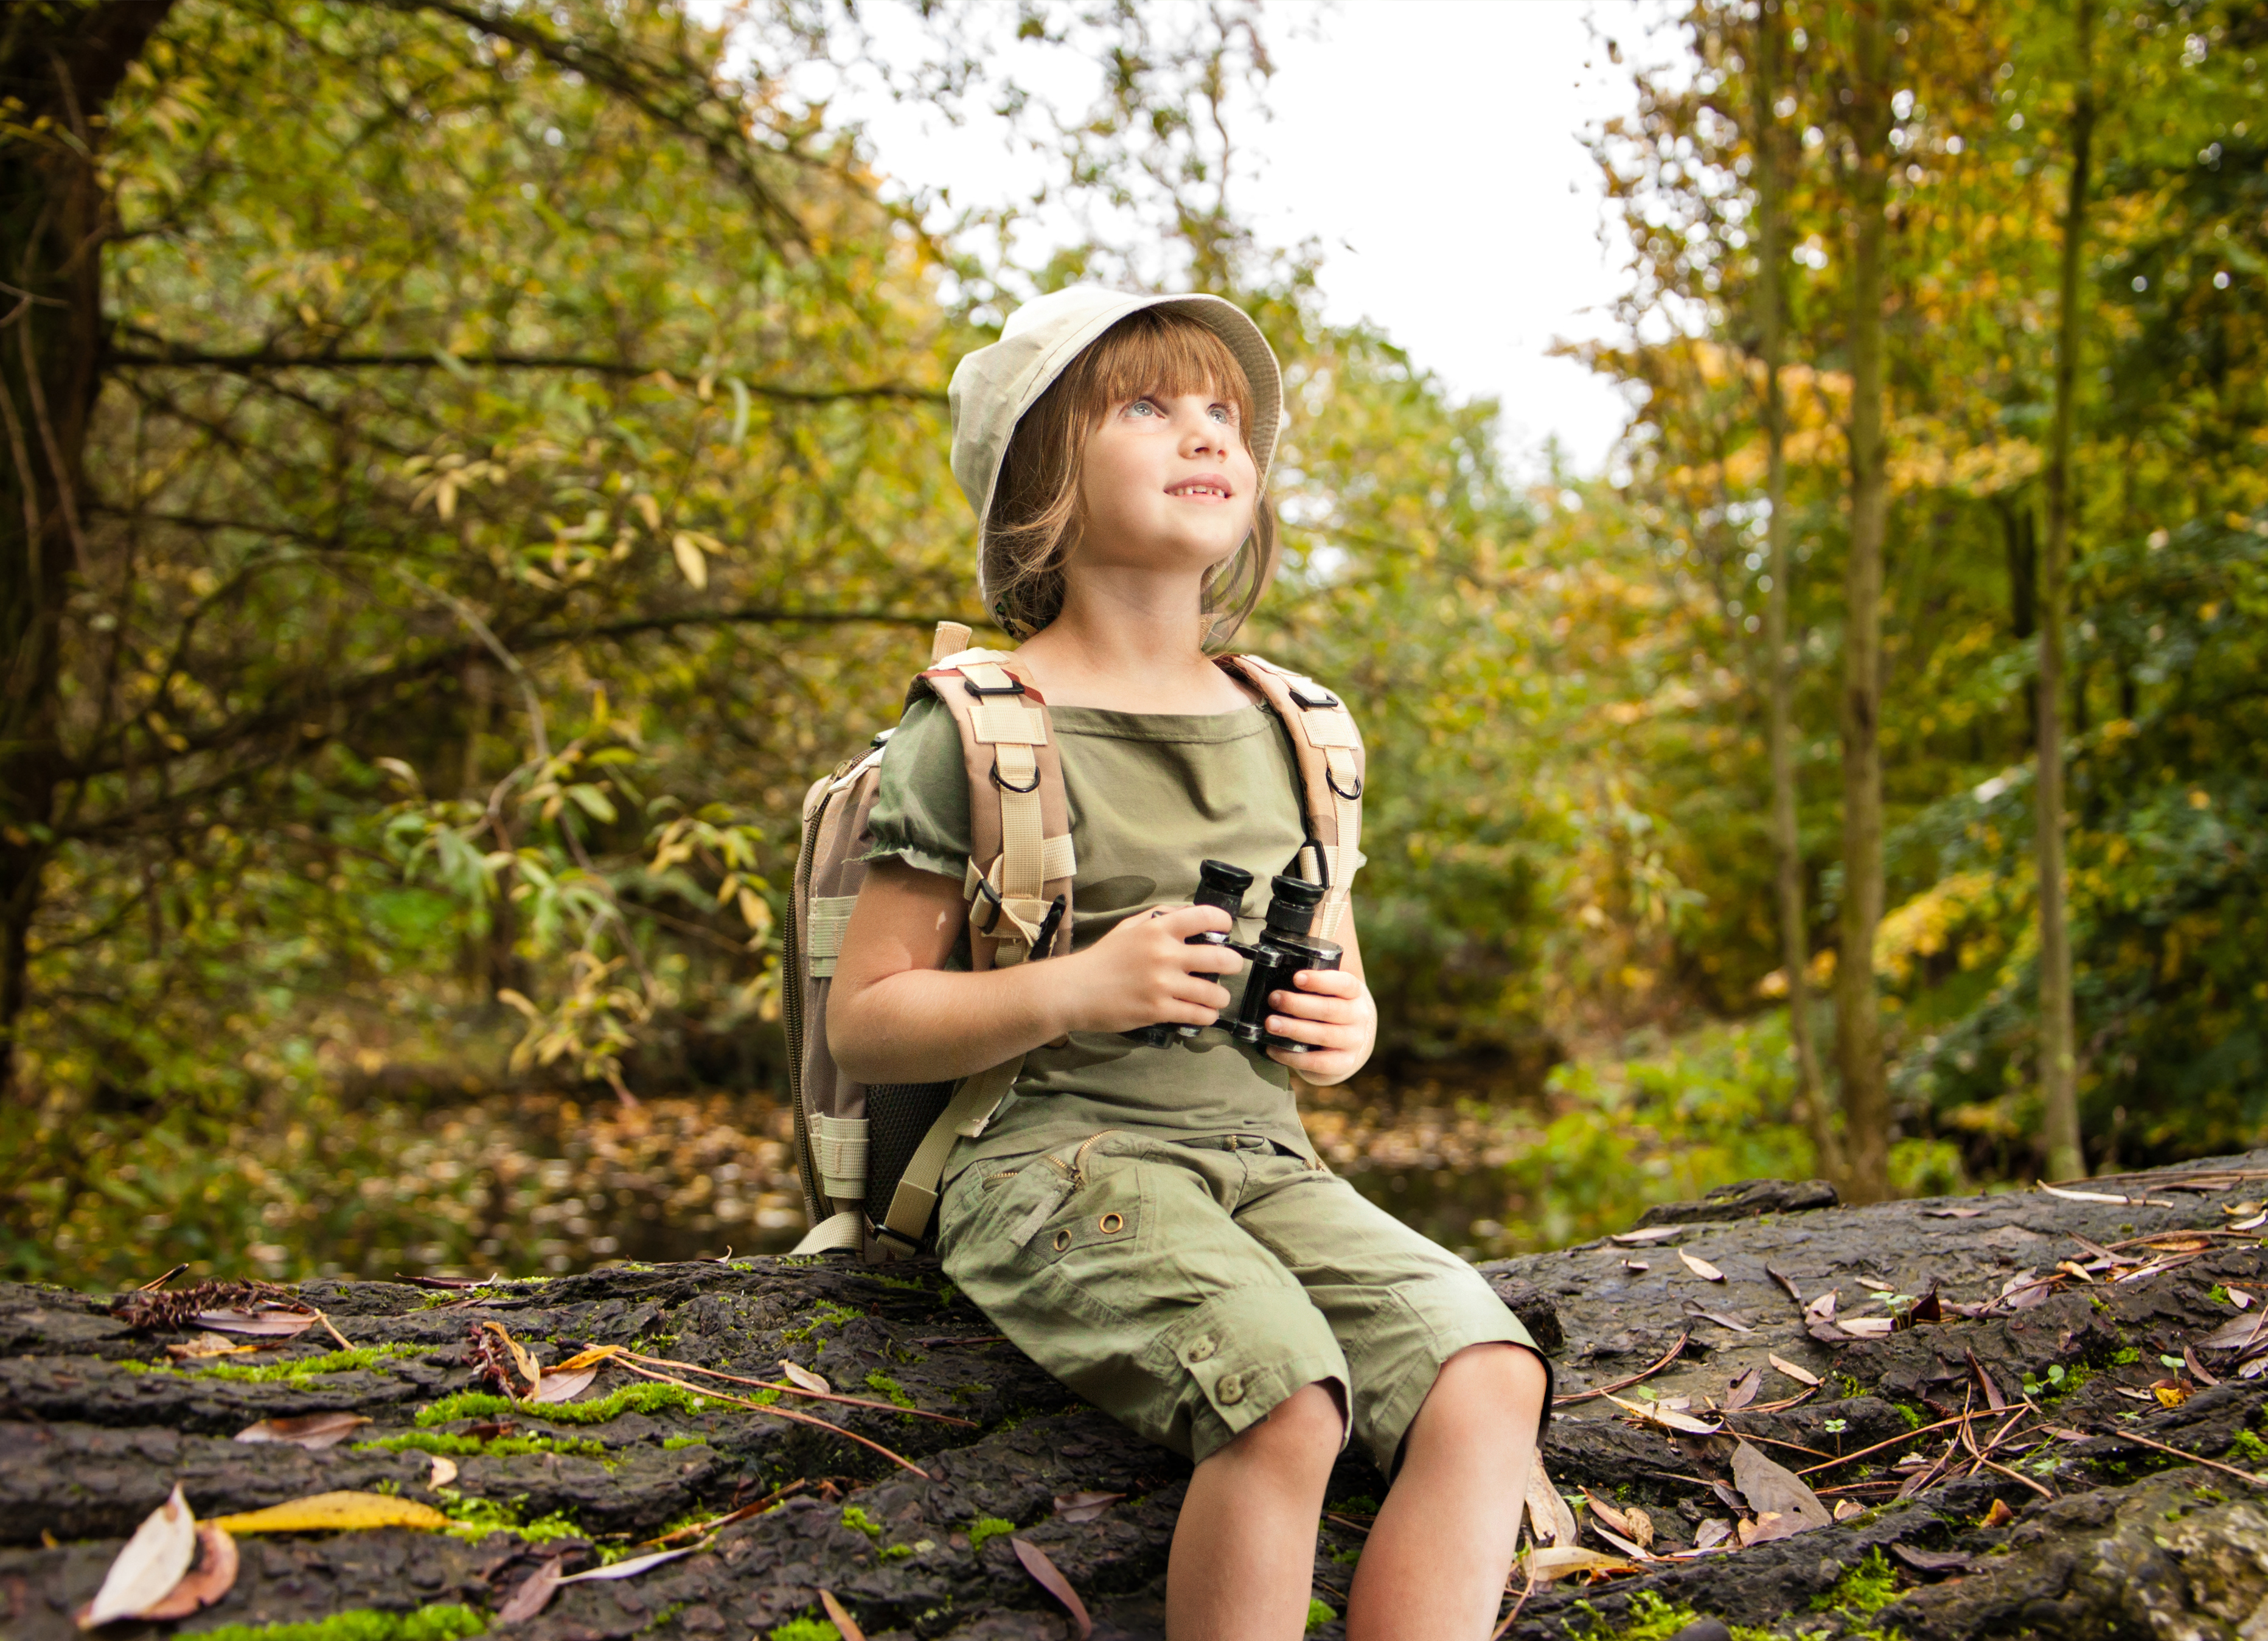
(474, 1519)
(444, 1442)
(883, 1385)
(1650, 1618)
(806, 1627)
(859, 1521)
(441, 1623)
(1320, 1612)
(672, 1444)
(1865, 1588)
(2249, 1446)
(985, 1529)
(645, 1398)
(305, 1367)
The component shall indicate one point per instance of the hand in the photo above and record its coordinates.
(1331, 1009)
(1144, 972)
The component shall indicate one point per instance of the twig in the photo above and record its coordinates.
(1507, 1619)
(1991, 1464)
(1790, 1446)
(1355, 1527)
(716, 1523)
(778, 1413)
(797, 1390)
(1625, 1384)
(159, 1282)
(1924, 1430)
(2210, 1464)
(329, 1329)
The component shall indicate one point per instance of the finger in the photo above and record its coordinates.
(1338, 1010)
(1320, 1033)
(1335, 983)
(1182, 921)
(1209, 959)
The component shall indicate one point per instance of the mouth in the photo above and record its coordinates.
(1203, 487)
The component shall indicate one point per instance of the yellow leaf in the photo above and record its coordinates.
(695, 567)
(648, 509)
(590, 1357)
(754, 913)
(336, 1513)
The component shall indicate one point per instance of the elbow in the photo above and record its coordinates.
(845, 1038)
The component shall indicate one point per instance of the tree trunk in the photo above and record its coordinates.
(2058, 1068)
(1858, 1018)
(1795, 944)
(2024, 550)
(61, 62)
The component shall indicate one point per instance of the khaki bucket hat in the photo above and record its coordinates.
(993, 386)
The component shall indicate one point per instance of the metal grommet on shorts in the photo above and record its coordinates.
(1062, 1241)
(1111, 1224)
(1200, 1348)
(1230, 1391)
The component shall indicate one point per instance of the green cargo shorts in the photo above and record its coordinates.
(1188, 1288)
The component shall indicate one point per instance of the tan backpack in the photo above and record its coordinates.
(872, 1158)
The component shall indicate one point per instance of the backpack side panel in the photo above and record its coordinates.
(1328, 749)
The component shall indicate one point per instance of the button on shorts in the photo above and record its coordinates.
(1188, 1289)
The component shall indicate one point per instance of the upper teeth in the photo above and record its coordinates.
(1202, 489)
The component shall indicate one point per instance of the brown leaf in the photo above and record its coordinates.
(1701, 1267)
(1550, 1521)
(1773, 1488)
(561, 1387)
(531, 1595)
(444, 1471)
(1744, 1389)
(1927, 1308)
(529, 1368)
(1044, 1573)
(1785, 1280)
(1869, 1327)
(842, 1621)
(1821, 1308)
(1801, 1375)
(1636, 1551)
(2237, 1332)
(282, 1323)
(1721, 1319)
(1931, 1560)
(1085, 1507)
(1668, 1418)
(152, 1563)
(2197, 1373)
(1609, 1515)
(200, 1345)
(1951, 1213)
(1560, 1560)
(1766, 1527)
(1636, 1264)
(1999, 1515)
(1845, 1508)
(314, 1431)
(1711, 1531)
(1651, 1233)
(590, 1357)
(213, 1577)
(804, 1378)
(1987, 1383)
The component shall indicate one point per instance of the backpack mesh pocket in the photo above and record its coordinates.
(898, 1116)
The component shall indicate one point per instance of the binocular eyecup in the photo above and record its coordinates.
(1285, 947)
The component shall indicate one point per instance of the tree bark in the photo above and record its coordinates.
(1795, 943)
(59, 64)
(2059, 1067)
(1858, 1018)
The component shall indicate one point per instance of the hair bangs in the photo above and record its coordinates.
(1165, 355)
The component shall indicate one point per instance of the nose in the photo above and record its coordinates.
(1204, 436)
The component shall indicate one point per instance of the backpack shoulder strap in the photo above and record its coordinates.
(1328, 749)
(1021, 861)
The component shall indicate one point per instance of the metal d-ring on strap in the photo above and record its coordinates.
(1007, 786)
(1331, 779)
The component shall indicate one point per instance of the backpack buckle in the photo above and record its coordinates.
(1013, 687)
(1307, 693)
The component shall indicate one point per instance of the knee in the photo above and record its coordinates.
(1491, 1381)
(1304, 1431)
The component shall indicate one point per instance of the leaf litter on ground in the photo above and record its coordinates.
(837, 1615)
(1550, 1521)
(152, 1563)
(1085, 1507)
(314, 1431)
(1049, 1577)
(563, 1387)
(337, 1512)
(803, 1379)
(1773, 1489)
(1700, 1267)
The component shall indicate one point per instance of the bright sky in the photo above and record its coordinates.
(1433, 148)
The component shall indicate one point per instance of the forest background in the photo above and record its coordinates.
(469, 466)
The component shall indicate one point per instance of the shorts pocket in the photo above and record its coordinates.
(1106, 1213)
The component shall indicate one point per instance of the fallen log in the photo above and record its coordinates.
(2027, 1411)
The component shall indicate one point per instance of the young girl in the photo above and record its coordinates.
(1151, 1224)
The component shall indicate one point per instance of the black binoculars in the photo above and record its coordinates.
(1284, 948)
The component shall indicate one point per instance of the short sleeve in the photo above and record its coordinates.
(921, 804)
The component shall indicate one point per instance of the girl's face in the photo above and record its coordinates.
(1167, 484)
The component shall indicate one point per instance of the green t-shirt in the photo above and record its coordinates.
(1151, 796)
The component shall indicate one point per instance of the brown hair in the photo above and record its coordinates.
(1035, 506)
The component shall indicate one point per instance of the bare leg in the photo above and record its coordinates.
(1244, 1549)
(1436, 1561)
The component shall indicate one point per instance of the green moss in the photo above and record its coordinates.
(825, 1311)
(905, 1284)
(805, 1629)
(449, 1623)
(883, 1385)
(1650, 1619)
(2126, 1357)
(672, 1444)
(1319, 1613)
(1846, 1386)
(859, 1521)
(307, 1366)
(645, 1398)
(1360, 1504)
(2249, 1447)
(477, 1518)
(1911, 1416)
(1346, 1557)
(985, 1529)
(897, 1552)
(496, 1447)
(1868, 1587)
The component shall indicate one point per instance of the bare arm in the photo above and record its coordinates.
(895, 1016)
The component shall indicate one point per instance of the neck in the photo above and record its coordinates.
(1129, 641)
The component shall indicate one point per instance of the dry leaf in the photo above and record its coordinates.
(529, 1368)
(842, 1622)
(1636, 1264)
(1608, 1514)
(152, 1561)
(1999, 1516)
(1550, 1521)
(1951, 1213)
(1785, 1280)
(804, 1378)
(1769, 1525)
(2253, 1224)
(563, 1387)
(590, 1357)
(1636, 1552)
(1931, 1560)
(1711, 1532)
(444, 1471)
(1651, 1233)
(1560, 1560)
(213, 1577)
(1801, 1375)
(336, 1513)
(314, 1431)
(2237, 1332)
(634, 1567)
(1773, 1488)
(1822, 1307)
(2172, 1392)
(2081, 1196)
(1085, 1507)
(1869, 1327)
(1045, 1574)
(531, 1595)
(1641, 1526)
(1668, 1418)
(2240, 1298)
(1721, 1319)
(1744, 1388)
(283, 1324)
(200, 1345)
(1701, 1267)
(1845, 1508)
